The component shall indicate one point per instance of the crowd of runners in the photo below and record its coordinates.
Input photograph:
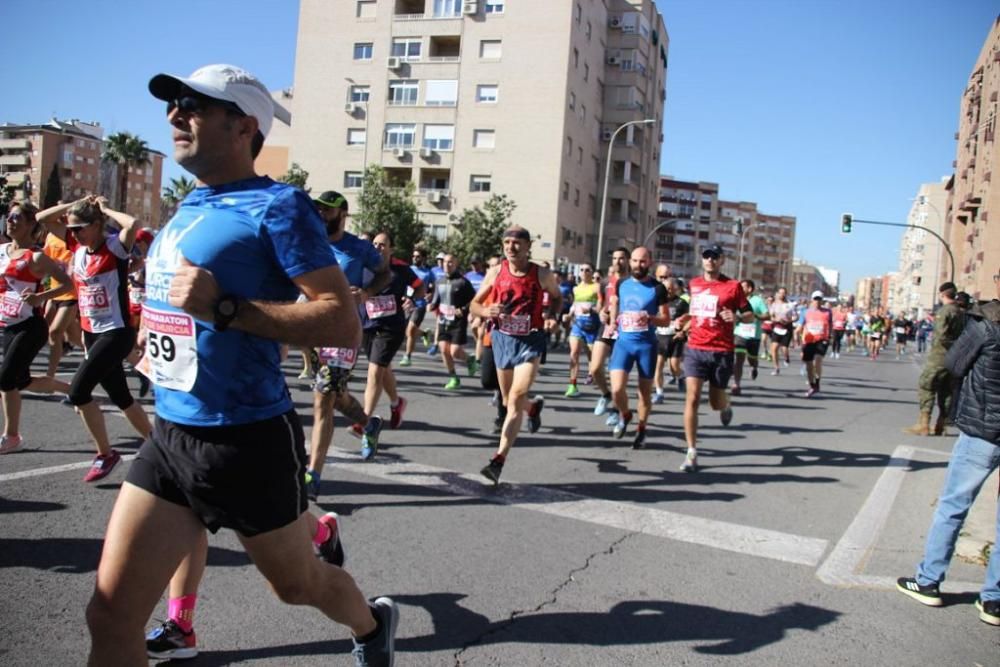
(250, 271)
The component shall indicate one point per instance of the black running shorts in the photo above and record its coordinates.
(812, 350)
(248, 477)
(456, 332)
(381, 345)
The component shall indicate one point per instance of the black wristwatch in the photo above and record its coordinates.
(225, 310)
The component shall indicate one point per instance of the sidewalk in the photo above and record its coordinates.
(979, 531)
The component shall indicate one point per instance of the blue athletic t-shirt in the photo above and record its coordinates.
(354, 255)
(637, 302)
(255, 236)
(426, 274)
(476, 279)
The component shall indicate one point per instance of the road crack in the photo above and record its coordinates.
(550, 600)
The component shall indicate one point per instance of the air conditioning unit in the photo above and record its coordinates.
(426, 152)
(351, 108)
(393, 62)
(434, 197)
(615, 22)
(399, 152)
(614, 60)
(606, 135)
(470, 7)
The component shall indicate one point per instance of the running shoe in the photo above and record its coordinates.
(658, 398)
(989, 611)
(10, 444)
(753, 373)
(169, 642)
(736, 391)
(472, 366)
(102, 466)
(929, 595)
(495, 399)
(601, 407)
(690, 463)
(812, 391)
(454, 384)
(312, 485)
(787, 363)
(379, 651)
(776, 372)
(640, 440)
(612, 417)
(304, 375)
(369, 439)
(622, 425)
(432, 351)
(425, 338)
(357, 430)
(331, 551)
(802, 370)
(726, 415)
(396, 413)
(590, 380)
(492, 471)
(571, 391)
(405, 361)
(535, 414)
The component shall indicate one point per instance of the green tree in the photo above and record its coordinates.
(8, 194)
(173, 195)
(387, 206)
(296, 176)
(125, 150)
(479, 230)
(53, 188)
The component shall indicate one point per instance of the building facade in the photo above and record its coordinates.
(922, 257)
(468, 98)
(808, 278)
(691, 216)
(972, 221)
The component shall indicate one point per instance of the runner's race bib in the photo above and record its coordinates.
(901, 330)
(10, 306)
(705, 305)
(745, 330)
(779, 330)
(380, 306)
(876, 335)
(338, 357)
(816, 329)
(634, 321)
(582, 308)
(447, 313)
(515, 325)
(94, 301)
(136, 295)
(171, 358)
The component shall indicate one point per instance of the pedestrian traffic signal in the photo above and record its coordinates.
(846, 220)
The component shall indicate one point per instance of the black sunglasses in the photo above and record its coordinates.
(196, 103)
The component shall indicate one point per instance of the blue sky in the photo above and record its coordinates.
(808, 107)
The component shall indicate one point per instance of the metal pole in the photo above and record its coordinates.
(929, 231)
(659, 227)
(607, 178)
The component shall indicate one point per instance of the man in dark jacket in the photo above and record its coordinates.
(975, 360)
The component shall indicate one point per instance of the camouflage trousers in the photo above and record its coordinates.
(935, 386)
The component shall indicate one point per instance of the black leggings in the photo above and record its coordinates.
(488, 369)
(103, 366)
(21, 344)
(838, 335)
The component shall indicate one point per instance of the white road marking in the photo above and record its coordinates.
(845, 563)
(51, 470)
(745, 540)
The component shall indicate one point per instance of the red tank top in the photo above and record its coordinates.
(16, 277)
(521, 299)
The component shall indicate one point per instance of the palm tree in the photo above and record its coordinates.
(125, 150)
(174, 194)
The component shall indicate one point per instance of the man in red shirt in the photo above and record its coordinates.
(815, 340)
(717, 301)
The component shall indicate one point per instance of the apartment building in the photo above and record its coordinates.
(922, 257)
(691, 216)
(972, 221)
(808, 278)
(875, 292)
(467, 98)
(29, 153)
(273, 159)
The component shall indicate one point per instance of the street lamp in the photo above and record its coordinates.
(743, 236)
(607, 178)
(364, 154)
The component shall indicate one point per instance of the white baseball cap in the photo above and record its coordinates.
(228, 83)
(817, 295)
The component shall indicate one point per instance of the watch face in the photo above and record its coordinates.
(227, 307)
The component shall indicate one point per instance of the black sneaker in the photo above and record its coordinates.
(169, 642)
(640, 440)
(989, 611)
(928, 595)
(726, 415)
(753, 373)
(492, 471)
(332, 551)
(535, 414)
(380, 650)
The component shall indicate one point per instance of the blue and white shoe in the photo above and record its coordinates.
(602, 406)
(612, 418)
(369, 439)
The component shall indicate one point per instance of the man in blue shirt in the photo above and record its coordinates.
(227, 448)
(416, 317)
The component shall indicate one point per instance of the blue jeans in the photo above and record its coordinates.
(972, 461)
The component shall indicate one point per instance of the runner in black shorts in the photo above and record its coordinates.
(452, 294)
(416, 317)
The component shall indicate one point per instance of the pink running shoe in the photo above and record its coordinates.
(10, 444)
(102, 466)
(396, 413)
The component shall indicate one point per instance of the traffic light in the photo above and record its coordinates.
(846, 220)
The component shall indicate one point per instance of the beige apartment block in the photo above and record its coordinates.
(972, 221)
(273, 159)
(922, 257)
(691, 216)
(469, 98)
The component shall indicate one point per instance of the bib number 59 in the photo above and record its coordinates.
(161, 346)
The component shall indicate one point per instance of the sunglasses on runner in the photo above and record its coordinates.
(195, 103)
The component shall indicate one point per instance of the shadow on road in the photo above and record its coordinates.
(9, 506)
(81, 555)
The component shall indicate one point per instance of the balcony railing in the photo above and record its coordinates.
(426, 17)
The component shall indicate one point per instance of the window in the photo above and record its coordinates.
(352, 179)
(583, 113)
(579, 155)
(576, 57)
(407, 49)
(487, 93)
(494, 6)
(403, 92)
(360, 93)
(480, 183)
(569, 146)
(400, 135)
(366, 9)
(586, 72)
(445, 8)
(439, 137)
(441, 93)
(579, 13)
(576, 196)
(489, 49)
(565, 191)
(483, 138)
(589, 30)
(363, 51)
(572, 100)
(356, 137)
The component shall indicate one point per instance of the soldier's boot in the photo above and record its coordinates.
(922, 427)
(939, 426)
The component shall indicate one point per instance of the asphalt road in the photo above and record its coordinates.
(783, 549)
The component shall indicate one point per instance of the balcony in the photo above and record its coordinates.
(14, 144)
(14, 160)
